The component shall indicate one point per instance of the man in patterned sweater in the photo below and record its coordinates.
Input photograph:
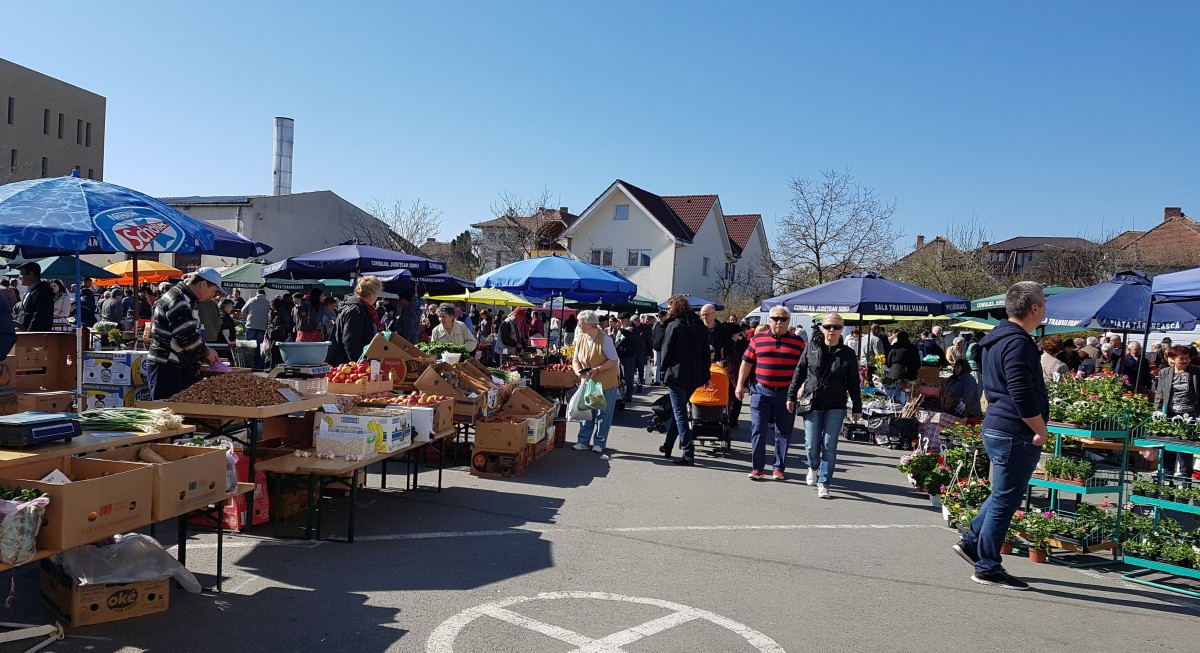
(178, 348)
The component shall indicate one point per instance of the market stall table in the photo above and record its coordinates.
(323, 471)
(239, 417)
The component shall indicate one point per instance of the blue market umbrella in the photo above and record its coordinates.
(434, 284)
(351, 259)
(696, 303)
(868, 293)
(1121, 303)
(558, 276)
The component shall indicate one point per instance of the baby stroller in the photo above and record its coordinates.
(709, 409)
(660, 415)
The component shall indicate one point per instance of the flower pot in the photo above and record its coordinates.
(1037, 555)
(946, 513)
(935, 501)
(1006, 549)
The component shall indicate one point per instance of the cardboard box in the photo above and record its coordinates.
(527, 403)
(44, 361)
(110, 396)
(367, 388)
(105, 497)
(85, 605)
(558, 378)
(238, 513)
(46, 402)
(500, 463)
(398, 355)
(466, 409)
(507, 435)
(362, 431)
(194, 477)
(116, 367)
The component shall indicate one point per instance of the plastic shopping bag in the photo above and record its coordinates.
(576, 412)
(593, 395)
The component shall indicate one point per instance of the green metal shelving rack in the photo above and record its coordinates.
(1154, 566)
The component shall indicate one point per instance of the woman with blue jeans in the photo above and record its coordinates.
(596, 359)
(684, 364)
(826, 376)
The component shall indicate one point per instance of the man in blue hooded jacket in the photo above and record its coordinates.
(1013, 430)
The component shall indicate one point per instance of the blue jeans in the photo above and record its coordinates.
(639, 366)
(601, 417)
(1013, 458)
(627, 372)
(821, 431)
(257, 336)
(679, 425)
(764, 403)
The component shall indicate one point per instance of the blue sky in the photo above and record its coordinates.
(1060, 118)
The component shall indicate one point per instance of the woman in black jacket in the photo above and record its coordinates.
(356, 324)
(684, 367)
(280, 325)
(1178, 394)
(828, 373)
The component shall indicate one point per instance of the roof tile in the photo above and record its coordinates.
(661, 211)
(740, 228)
(692, 209)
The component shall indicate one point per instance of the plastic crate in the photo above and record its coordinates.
(314, 386)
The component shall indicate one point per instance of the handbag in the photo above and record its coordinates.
(804, 405)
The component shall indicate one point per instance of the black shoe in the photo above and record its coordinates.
(686, 462)
(639, 388)
(1000, 578)
(966, 552)
(663, 449)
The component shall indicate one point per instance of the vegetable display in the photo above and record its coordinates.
(436, 349)
(130, 419)
(233, 390)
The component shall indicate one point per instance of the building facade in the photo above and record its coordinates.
(48, 127)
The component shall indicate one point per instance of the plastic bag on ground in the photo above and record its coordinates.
(131, 558)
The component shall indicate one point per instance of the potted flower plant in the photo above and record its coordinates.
(1099, 402)
(918, 465)
(1145, 488)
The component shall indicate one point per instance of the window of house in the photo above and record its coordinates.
(46, 122)
(638, 258)
(601, 256)
(187, 262)
(87, 135)
(45, 167)
(91, 173)
(79, 132)
(12, 160)
(621, 212)
(12, 109)
(730, 269)
(704, 267)
(62, 121)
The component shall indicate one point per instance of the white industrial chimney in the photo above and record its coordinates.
(281, 183)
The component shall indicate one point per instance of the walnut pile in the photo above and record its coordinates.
(233, 390)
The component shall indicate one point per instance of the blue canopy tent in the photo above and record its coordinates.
(1121, 304)
(434, 284)
(561, 277)
(351, 259)
(696, 303)
(72, 214)
(868, 293)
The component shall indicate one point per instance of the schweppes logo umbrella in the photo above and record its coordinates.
(139, 229)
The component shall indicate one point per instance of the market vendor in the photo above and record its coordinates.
(177, 350)
(452, 331)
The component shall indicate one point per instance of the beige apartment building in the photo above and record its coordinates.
(48, 127)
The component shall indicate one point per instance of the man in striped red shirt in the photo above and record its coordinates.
(773, 356)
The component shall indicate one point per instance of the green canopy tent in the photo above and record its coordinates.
(249, 275)
(63, 267)
(993, 307)
(637, 304)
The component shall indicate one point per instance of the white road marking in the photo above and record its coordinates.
(443, 637)
(768, 527)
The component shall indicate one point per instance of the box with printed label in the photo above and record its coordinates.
(399, 360)
(361, 432)
(466, 408)
(192, 477)
(113, 396)
(85, 605)
(104, 497)
(511, 434)
(116, 367)
(45, 402)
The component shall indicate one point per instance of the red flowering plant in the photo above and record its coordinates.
(1095, 400)
(964, 497)
(919, 465)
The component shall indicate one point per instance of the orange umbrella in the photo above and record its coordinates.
(147, 271)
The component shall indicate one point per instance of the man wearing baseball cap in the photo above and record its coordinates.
(177, 349)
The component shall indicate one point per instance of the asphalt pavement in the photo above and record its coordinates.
(635, 554)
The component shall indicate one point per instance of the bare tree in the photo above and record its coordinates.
(956, 264)
(747, 283)
(836, 226)
(400, 226)
(524, 226)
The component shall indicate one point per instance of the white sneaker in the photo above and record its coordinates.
(597, 449)
(822, 491)
(579, 446)
(812, 477)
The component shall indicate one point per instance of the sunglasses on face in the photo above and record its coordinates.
(832, 327)
(779, 319)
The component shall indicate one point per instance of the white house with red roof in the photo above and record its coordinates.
(669, 244)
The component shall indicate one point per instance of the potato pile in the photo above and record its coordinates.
(233, 390)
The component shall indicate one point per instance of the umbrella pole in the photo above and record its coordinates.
(136, 301)
(78, 336)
